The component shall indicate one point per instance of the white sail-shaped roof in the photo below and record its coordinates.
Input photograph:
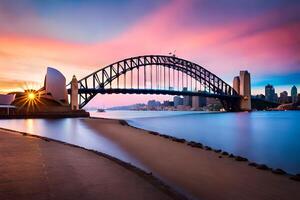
(55, 84)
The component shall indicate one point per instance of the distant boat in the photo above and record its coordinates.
(100, 110)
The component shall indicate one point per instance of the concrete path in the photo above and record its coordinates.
(31, 168)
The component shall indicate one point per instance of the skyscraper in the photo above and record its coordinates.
(270, 93)
(294, 94)
(284, 97)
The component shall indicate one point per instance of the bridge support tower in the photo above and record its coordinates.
(74, 94)
(242, 85)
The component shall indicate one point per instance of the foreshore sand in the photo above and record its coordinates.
(199, 173)
(36, 168)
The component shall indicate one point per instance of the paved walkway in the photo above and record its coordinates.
(31, 168)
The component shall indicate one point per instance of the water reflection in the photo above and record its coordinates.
(73, 131)
(264, 137)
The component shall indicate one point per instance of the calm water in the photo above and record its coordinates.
(272, 138)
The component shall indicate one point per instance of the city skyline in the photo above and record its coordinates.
(79, 37)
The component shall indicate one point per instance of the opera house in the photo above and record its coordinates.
(7, 99)
(50, 100)
(55, 86)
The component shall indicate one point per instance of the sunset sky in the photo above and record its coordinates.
(79, 37)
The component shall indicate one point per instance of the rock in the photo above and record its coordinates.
(153, 133)
(295, 177)
(262, 167)
(252, 164)
(178, 140)
(225, 153)
(239, 158)
(123, 123)
(278, 171)
(220, 156)
(208, 148)
(231, 156)
(165, 136)
(218, 151)
(195, 144)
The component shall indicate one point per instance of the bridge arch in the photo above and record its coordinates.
(101, 81)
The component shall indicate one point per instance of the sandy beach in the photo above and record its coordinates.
(36, 169)
(198, 173)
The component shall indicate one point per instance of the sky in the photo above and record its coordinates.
(81, 36)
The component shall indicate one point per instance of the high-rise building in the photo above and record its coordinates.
(178, 101)
(270, 93)
(284, 98)
(294, 94)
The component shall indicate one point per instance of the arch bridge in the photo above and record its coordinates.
(156, 74)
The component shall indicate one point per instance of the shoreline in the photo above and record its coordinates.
(208, 148)
(119, 131)
(194, 163)
(157, 183)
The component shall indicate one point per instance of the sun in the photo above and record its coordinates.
(31, 96)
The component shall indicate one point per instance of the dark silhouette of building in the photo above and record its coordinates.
(294, 94)
(284, 98)
(187, 100)
(178, 101)
(270, 94)
(168, 103)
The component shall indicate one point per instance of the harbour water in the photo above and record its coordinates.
(272, 138)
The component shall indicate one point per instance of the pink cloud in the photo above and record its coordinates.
(225, 49)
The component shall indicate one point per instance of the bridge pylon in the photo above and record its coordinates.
(242, 85)
(74, 94)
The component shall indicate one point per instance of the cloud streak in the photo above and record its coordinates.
(267, 42)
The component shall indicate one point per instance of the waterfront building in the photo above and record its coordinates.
(260, 96)
(284, 98)
(168, 103)
(7, 99)
(153, 103)
(55, 85)
(178, 101)
(270, 93)
(294, 94)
